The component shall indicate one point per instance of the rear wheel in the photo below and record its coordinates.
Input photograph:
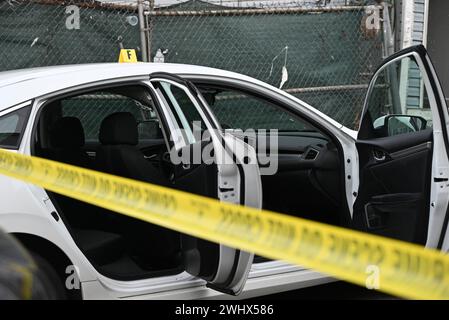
(52, 282)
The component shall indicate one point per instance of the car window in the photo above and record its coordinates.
(92, 108)
(238, 110)
(183, 110)
(12, 126)
(398, 102)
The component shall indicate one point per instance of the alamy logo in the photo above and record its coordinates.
(249, 147)
(373, 279)
(72, 22)
(373, 19)
(72, 282)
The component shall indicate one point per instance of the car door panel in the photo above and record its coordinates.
(397, 216)
(201, 257)
(399, 142)
(392, 202)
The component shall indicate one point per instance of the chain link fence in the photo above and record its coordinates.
(44, 33)
(323, 52)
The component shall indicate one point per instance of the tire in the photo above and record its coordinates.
(52, 282)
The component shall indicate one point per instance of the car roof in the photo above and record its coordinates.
(22, 85)
(25, 84)
(90, 71)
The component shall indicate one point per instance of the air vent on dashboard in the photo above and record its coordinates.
(311, 154)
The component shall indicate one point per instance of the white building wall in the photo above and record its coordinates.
(413, 32)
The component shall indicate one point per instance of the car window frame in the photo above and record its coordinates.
(178, 117)
(392, 59)
(180, 141)
(366, 114)
(99, 92)
(257, 96)
(43, 101)
(5, 112)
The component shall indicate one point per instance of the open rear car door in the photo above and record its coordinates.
(186, 120)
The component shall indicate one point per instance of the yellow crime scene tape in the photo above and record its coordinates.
(405, 270)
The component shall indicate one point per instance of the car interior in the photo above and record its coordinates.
(395, 207)
(116, 131)
(308, 182)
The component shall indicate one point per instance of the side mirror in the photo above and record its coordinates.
(399, 124)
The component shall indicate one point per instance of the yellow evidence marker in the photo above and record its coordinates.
(127, 55)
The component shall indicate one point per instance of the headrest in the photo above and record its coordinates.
(67, 132)
(119, 128)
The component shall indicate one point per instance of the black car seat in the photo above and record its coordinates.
(119, 155)
(67, 141)
(84, 221)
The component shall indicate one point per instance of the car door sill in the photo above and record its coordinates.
(254, 287)
(184, 281)
(269, 268)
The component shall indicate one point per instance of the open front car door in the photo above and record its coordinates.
(403, 152)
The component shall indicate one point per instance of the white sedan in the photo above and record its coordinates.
(135, 120)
